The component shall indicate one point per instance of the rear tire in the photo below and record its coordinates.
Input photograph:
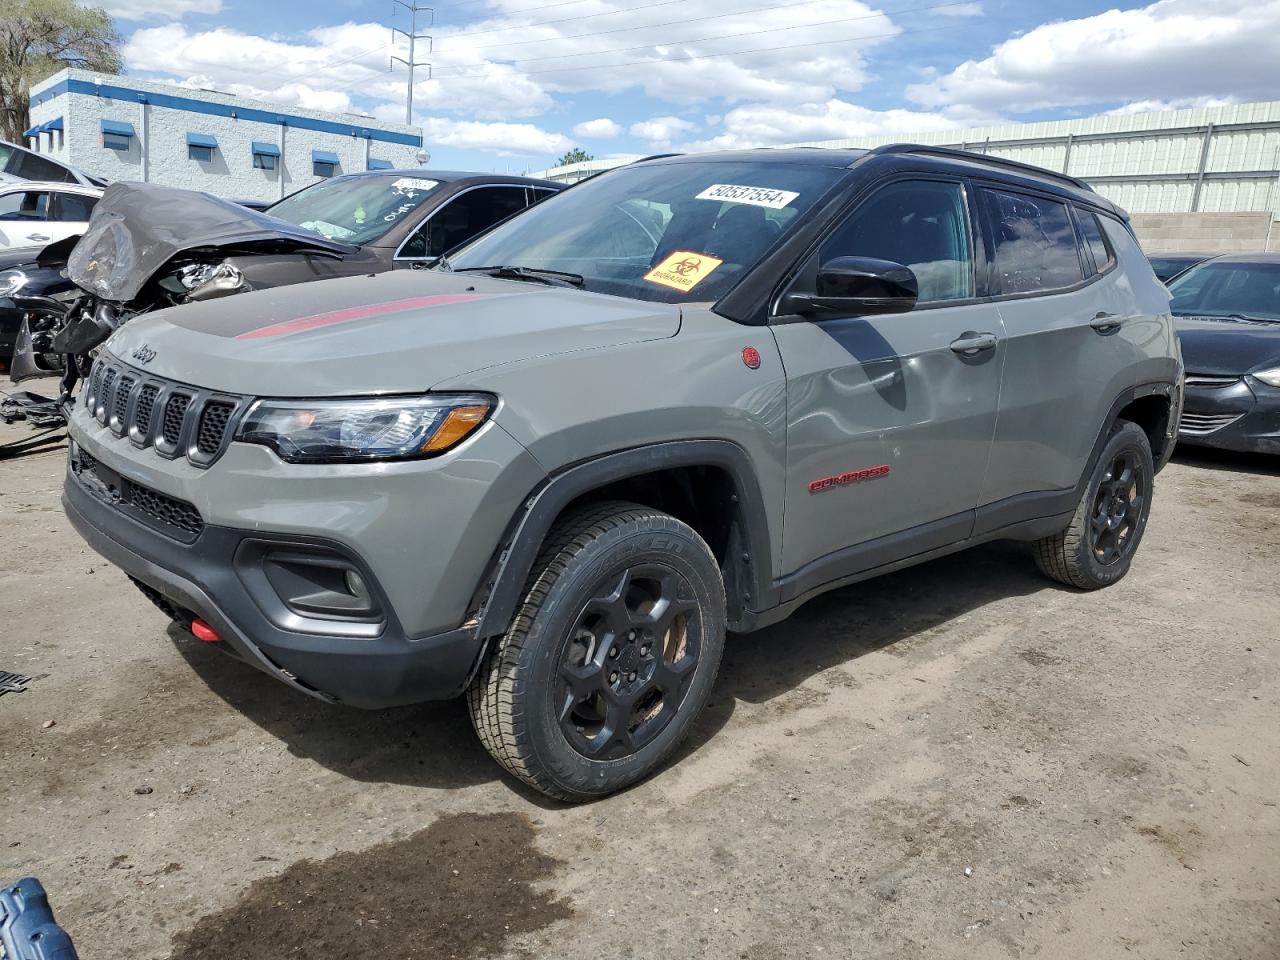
(1097, 548)
(610, 658)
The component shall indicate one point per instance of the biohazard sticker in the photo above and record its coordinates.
(683, 270)
(755, 196)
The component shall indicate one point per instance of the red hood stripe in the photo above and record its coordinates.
(286, 327)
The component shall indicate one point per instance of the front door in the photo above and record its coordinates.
(890, 418)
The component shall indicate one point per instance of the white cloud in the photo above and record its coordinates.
(660, 131)
(504, 139)
(757, 125)
(156, 9)
(601, 129)
(1170, 51)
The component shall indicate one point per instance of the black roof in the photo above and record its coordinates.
(455, 176)
(1010, 171)
(1258, 257)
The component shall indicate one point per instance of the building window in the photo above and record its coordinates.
(117, 135)
(379, 164)
(265, 155)
(324, 163)
(200, 146)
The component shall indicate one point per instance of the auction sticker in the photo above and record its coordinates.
(756, 196)
(683, 270)
(414, 183)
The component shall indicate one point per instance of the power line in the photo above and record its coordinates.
(725, 36)
(713, 16)
(727, 53)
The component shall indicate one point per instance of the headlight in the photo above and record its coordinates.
(392, 428)
(1270, 377)
(11, 281)
(205, 279)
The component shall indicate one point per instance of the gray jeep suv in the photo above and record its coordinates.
(680, 398)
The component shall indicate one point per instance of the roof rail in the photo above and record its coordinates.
(951, 153)
(657, 156)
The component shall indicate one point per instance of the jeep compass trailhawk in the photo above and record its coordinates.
(680, 398)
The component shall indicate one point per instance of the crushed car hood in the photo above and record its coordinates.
(398, 332)
(1228, 348)
(137, 228)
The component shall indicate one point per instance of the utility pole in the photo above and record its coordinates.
(413, 37)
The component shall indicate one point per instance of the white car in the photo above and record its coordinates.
(35, 214)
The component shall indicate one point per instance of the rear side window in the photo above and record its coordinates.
(1091, 233)
(1036, 248)
(462, 218)
(72, 207)
(32, 166)
(921, 224)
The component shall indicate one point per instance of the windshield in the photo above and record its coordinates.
(355, 210)
(684, 231)
(1225, 289)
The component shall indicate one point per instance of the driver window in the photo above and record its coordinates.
(24, 205)
(462, 218)
(920, 224)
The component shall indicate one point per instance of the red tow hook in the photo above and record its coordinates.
(202, 631)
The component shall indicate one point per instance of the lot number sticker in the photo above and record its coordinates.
(756, 196)
(683, 270)
(410, 184)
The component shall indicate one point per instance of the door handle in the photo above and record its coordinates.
(37, 236)
(1105, 322)
(971, 344)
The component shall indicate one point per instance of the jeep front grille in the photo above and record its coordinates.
(169, 515)
(174, 419)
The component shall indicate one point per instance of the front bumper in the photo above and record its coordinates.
(203, 579)
(1240, 414)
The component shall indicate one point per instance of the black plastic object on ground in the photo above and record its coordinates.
(27, 928)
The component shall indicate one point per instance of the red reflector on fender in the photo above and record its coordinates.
(202, 631)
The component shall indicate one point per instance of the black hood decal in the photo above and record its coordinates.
(137, 228)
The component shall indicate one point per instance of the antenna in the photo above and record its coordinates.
(413, 37)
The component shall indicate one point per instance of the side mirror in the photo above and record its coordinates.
(858, 286)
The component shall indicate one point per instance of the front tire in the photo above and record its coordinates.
(611, 656)
(1097, 548)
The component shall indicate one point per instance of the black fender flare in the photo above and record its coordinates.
(751, 557)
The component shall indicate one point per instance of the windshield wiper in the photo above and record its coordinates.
(552, 278)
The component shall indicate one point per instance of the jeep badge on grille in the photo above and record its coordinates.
(144, 354)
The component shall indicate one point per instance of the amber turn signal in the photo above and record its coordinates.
(458, 425)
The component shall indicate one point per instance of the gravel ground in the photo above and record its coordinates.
(957, 760)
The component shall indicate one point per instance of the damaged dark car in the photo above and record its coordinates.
(149, 247)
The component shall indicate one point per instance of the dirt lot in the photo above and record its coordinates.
(957, 760)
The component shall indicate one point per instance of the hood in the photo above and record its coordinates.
(1228, 348)
(137, 228)
(398, 332)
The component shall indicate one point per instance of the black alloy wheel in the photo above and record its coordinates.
(626, 665)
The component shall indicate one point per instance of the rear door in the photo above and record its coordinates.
(69, 214)
(1072, 319)
(889, 423)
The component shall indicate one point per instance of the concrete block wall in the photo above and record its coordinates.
(162, 115)
(1207, 232)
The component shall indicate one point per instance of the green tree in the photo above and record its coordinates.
(40, 37)
(576, 155)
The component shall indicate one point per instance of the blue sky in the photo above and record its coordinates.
(515, 83)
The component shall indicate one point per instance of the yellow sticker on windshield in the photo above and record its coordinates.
(683, 270)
